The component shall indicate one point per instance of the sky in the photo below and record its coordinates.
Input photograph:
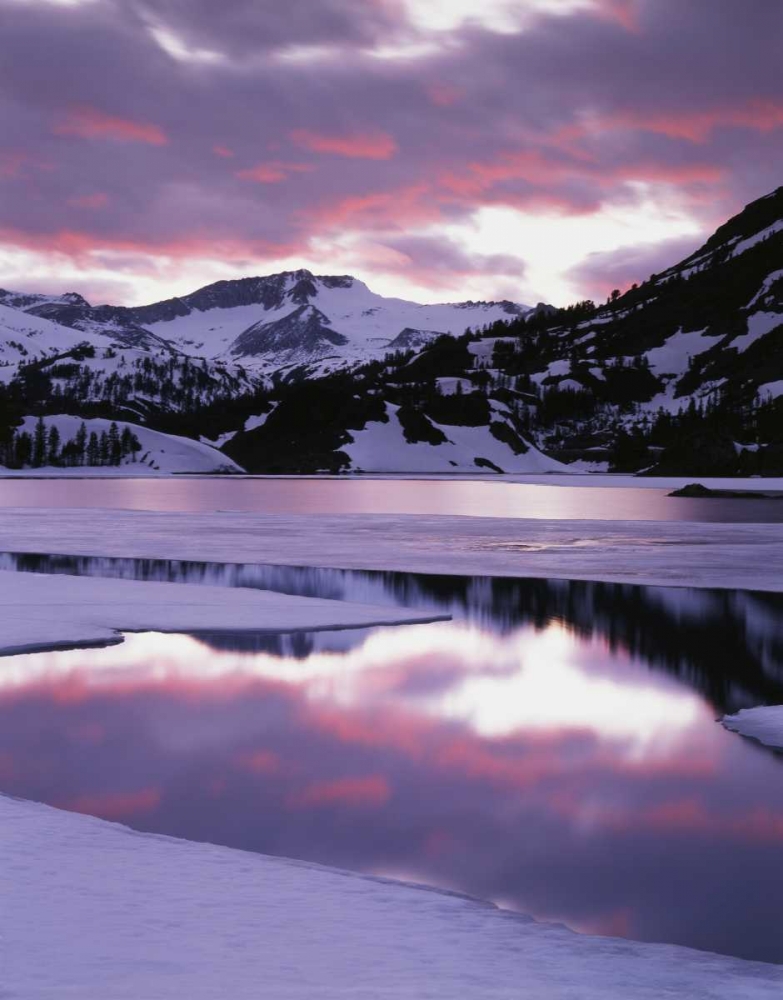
(440, 150)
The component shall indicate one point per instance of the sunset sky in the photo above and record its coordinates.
(436, 149)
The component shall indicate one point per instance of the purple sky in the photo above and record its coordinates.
(437, 149)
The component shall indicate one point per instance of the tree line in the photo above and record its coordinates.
(45, 447)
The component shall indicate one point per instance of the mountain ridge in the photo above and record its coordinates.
(222, 319)
(682, 374)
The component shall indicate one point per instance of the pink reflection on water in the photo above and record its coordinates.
(321, 495)
(536, 766)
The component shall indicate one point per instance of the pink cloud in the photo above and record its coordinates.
(370, 791)
(622, 12)
(89, 123)
(443, 95)
(116, 805)
(97, 200)
(274, 171)
(223, 151)
(527, 165)
(360, 146)
(695, 126)
(11, 164)
(81, 245)
(394, 208)
(259, 762)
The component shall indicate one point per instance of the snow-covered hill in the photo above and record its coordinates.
(158, 453)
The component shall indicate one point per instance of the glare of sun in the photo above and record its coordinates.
(495, 15)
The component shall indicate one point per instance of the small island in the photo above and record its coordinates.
(698, 491)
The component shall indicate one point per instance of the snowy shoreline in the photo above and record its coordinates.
(166, 918)
(41, 612)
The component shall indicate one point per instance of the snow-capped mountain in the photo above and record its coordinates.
(290, 319)
(682, 374)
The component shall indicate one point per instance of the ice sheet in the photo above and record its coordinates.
(764, 723)
(40, 611)
(744, 556)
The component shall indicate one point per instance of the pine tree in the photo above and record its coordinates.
(53, 446)
(24, 449)
(80, 443)
(39, 443)
(103, 448)
(115, 451)
(93, 450)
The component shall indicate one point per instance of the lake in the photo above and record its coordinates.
(553, 749)
(383, 496)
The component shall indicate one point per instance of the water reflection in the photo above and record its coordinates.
(728, 644)
(539, 763)
(384, 496)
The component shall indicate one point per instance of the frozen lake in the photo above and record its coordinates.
(384, 496)
(553, 749)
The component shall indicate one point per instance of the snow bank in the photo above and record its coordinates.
(668, 553)
(95, 911)
(764, 724)
(39, 611)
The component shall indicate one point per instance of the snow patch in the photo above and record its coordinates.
(773, 389)
(382, 447)
(763, 234)
(671, 358)
(759, 325)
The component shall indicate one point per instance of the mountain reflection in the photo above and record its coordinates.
(523, 756)
(727, 644)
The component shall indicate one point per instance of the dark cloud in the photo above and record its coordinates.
(246, 27)
(602, 272)
(434, 260)
(571, 114)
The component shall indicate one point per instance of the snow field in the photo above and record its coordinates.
(95, 911)
(382, 448)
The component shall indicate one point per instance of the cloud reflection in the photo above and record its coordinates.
(534, 766)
